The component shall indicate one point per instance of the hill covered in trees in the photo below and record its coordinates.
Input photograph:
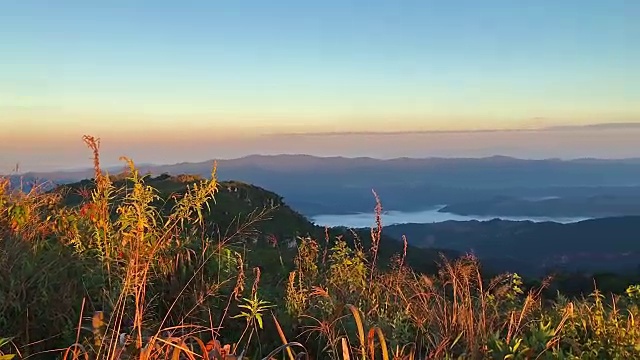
(536, 248)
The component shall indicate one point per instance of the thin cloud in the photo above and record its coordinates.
(598, 126)
(601, 126)
(404, 132)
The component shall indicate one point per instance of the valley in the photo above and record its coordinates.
(558, 213)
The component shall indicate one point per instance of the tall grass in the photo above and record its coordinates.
(127, 274)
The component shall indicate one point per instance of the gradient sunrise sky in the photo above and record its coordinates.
(166, 81)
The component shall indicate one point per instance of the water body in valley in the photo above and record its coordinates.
(431, 215)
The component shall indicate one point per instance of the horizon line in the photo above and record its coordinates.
(146, 165)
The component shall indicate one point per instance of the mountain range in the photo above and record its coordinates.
(339, 185)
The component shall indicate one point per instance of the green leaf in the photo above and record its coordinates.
(4, 341)
(517, 345)
(242, 314)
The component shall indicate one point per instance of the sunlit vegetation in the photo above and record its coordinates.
(118, 269)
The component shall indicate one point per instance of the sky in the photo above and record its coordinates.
(187, 80)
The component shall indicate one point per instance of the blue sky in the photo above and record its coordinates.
(248, 68)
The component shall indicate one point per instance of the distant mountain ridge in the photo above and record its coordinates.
(334, 185)
(597, 206)
(293, 161)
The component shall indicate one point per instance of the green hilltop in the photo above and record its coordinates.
(264, 217)
(234, 200)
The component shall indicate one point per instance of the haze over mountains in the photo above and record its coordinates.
(495, 185)
(189, 143)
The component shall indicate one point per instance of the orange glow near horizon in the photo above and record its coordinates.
(68, 151)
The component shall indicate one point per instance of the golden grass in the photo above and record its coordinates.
(152, 292)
